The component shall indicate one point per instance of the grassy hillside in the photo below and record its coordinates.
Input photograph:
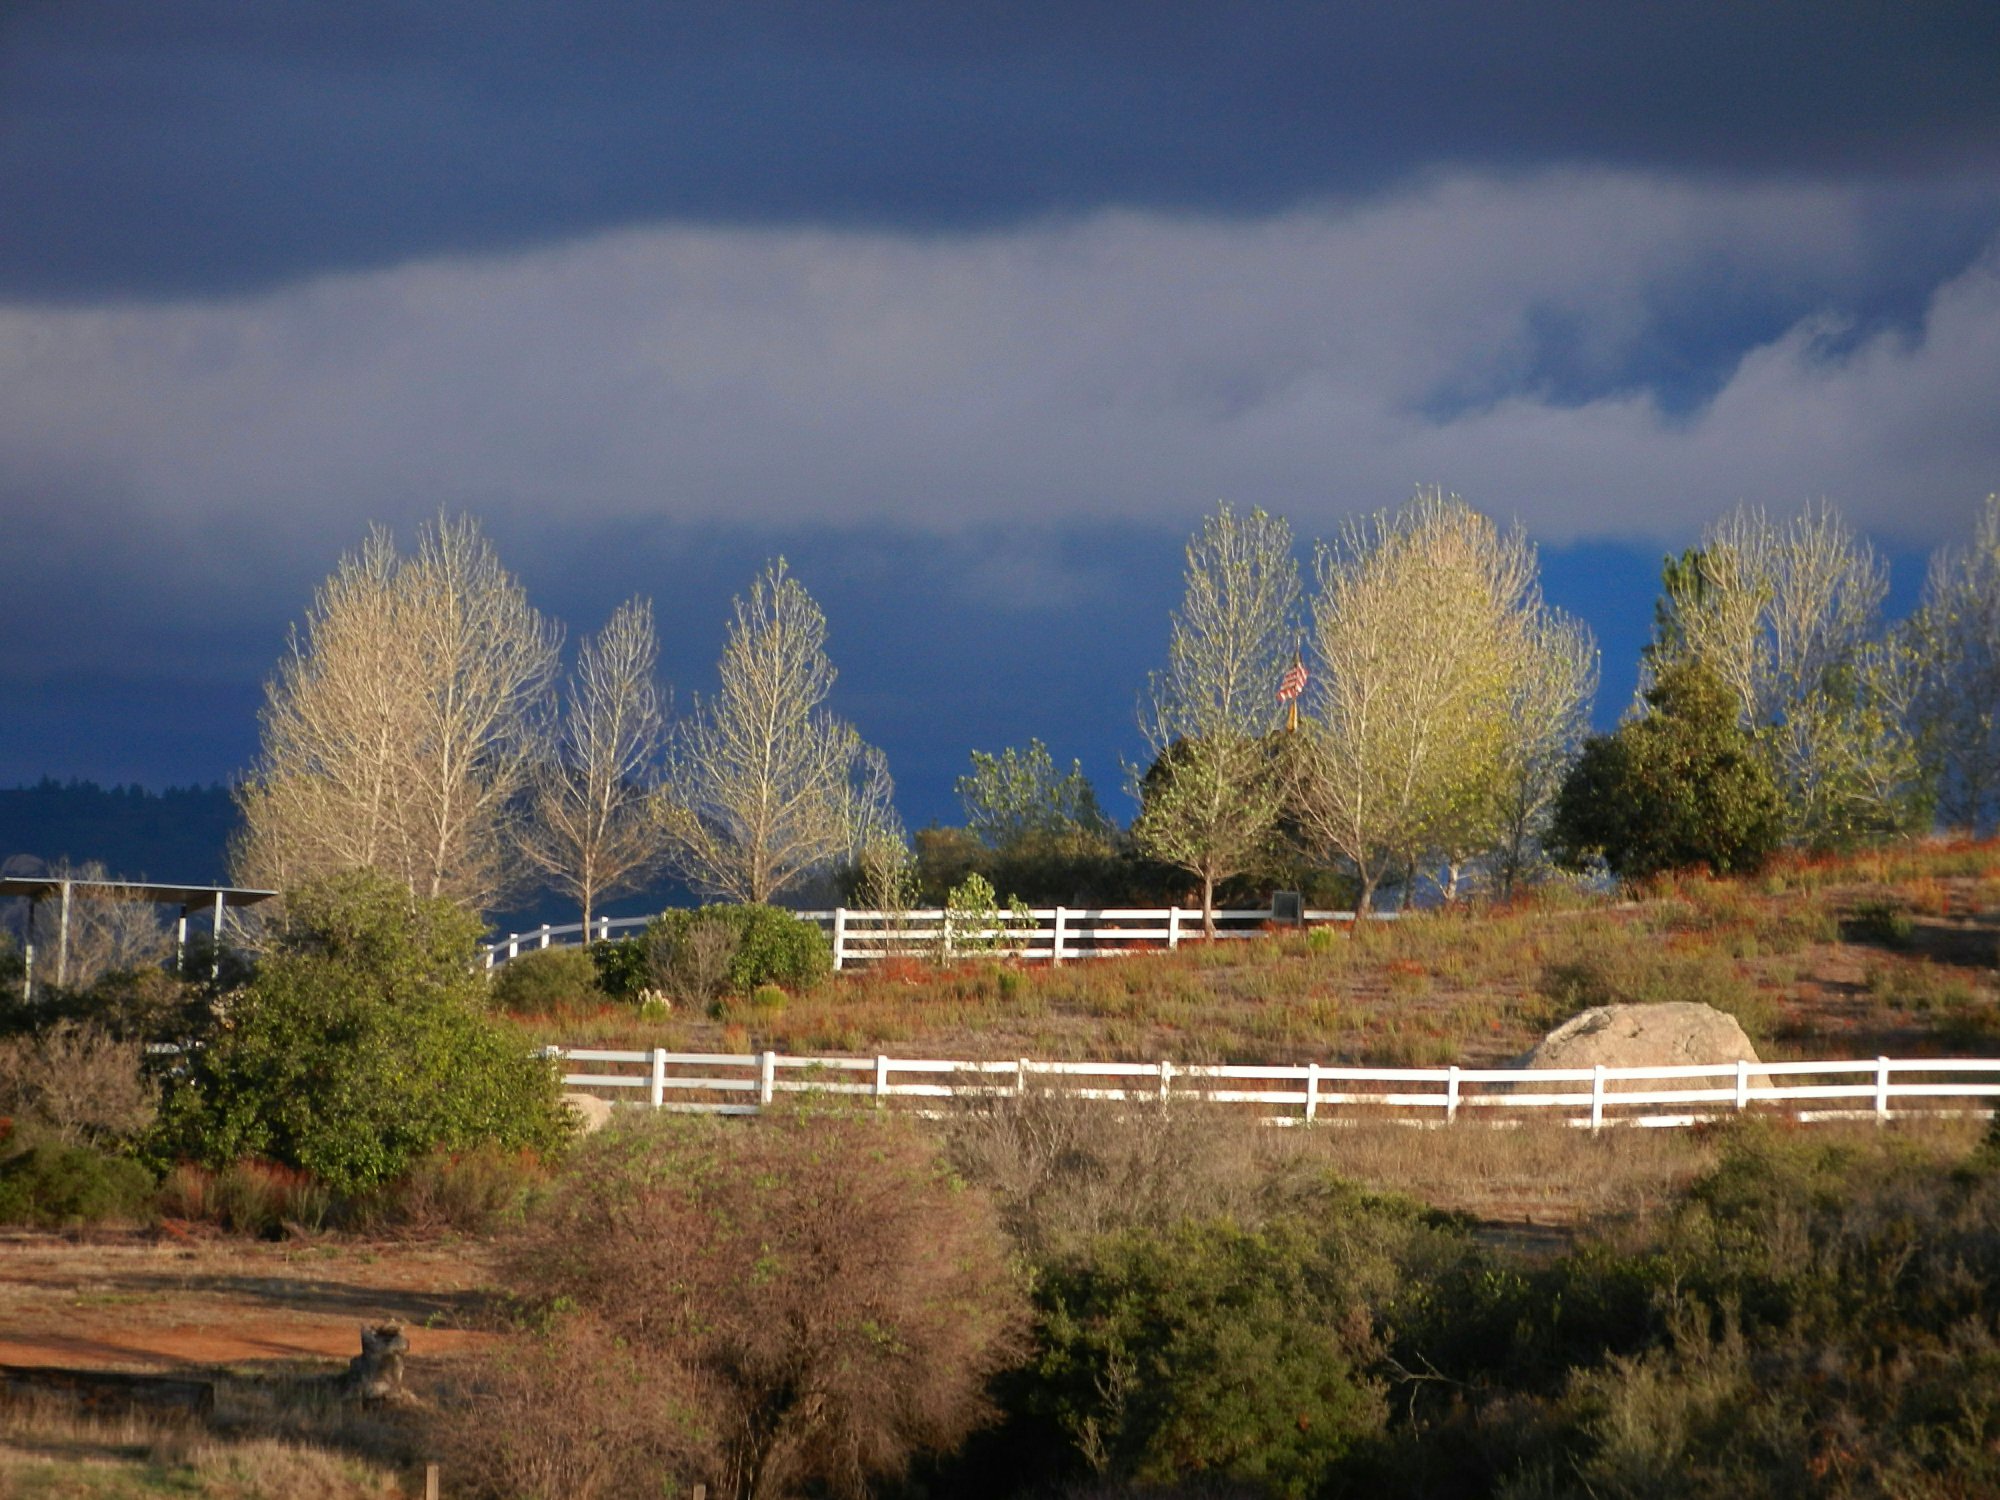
(1892, 951)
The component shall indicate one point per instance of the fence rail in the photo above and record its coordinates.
(741, 1084)
(1052, 934)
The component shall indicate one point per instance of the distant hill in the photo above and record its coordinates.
(180, 835)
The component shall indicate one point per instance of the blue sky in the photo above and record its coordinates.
(971, 315)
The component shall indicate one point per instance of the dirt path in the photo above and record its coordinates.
(150, 1302)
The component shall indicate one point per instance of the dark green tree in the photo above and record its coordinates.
(1681, 785)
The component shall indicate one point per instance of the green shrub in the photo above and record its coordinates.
(693, 958)
(47, 1182)
(1815, 1318)
(361, 1045)
(546, 980)
(1208, 1350)
(622, 970)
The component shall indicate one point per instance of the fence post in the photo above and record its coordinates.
(1312, 1091)
(1742, 1085)
(1597, 1098)
(767, 1077)
(513, 945)
(839, 937)
(1173, 928)
(657, 1091)
(1881, 1089)
(881, 1076)
(1166, 1078)
(1020, 1078)
(1056, 945)
(1451, 1096)
(545, 935)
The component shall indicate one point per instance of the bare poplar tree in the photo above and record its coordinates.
(402, 725)
(1212, 796)
(765, 787)
(1789, 616)
(592, 831)
(110, 931)
(1419, 635)
(1548, 718)
(1956, 644)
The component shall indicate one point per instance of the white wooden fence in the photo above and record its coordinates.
(1044, 933)
(1592, 1098)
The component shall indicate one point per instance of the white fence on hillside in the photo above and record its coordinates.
(1592, 1098)
(1044, 933)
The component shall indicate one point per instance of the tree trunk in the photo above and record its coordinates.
(1208, 906)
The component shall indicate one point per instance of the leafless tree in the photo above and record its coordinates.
(1548, 717)
(109, 930)
(402, 725)
(1956, 643)
(1421, 628)
(1211, 797)
(765, 787)
(1789, 615)
(592, 832)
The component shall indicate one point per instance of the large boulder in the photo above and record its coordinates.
(1670, 1034)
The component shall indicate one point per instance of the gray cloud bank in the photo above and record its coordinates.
(1600, 354)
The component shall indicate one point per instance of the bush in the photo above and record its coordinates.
(801, 1302)
(260, 1198)
(468, 1192)
(622, 969)
(1064, 1170)
(361, 1045)
(49, 1182)
(546, 980)
(697, 955)
(1815, 1318)
(1208, 1350)
(76, 1083)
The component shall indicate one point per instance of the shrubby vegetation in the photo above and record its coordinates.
(699, 956)
(360, 1045)
(798, 1306)
(547, 980)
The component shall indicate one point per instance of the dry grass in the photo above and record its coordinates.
(1476, 986)
(268, 1437)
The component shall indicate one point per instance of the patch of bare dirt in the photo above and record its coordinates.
(152, 1302)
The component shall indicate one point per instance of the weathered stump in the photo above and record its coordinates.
(376, 1373)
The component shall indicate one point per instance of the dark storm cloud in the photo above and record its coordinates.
(200, 147)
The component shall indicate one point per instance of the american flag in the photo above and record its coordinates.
(1294, 681)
